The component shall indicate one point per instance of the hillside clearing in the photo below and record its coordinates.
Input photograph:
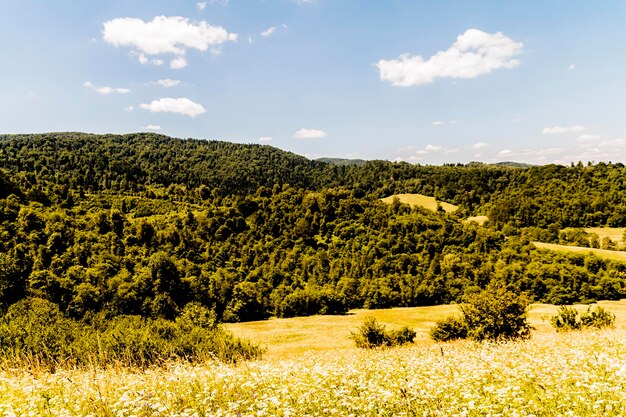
(602, 253)
(290, 338)
(481, 220)
(420, 200)
(614, 233)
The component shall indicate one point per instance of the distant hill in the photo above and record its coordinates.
(512, 164)
(342, 162)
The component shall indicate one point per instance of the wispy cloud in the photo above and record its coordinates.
(265, 139)
(152, 127)
(105, 90)
(558, 130)
(167, 82)
(474, 53)
(442, 122)
(268, 32)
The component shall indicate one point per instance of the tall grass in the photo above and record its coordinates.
(556, 374)
(34, 334)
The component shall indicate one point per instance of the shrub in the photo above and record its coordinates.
(568, 319)
(402, 336)
(450, 328)
(599, 319)
(33, 331)
(492, 314)
(372, 334)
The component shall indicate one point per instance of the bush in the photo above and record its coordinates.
(492, 314)
(599, 319)
(35, 332)
(372, 334)
(568, 319)
(402, 336)
(450, 328)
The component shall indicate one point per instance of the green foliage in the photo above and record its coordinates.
(34, 331)
(493, 314)
(450, 328)
(143, 224)
(568, 319)
(372, 334)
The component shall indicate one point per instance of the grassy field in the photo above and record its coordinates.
(421, 200)
(613, 233)
(293, 337)
(481, 220)
(602, 253)
(553, 374)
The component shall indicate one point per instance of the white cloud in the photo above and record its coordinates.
(201, 5)
(479, 145)
(474, 53)
(432, 148)
(505, 152)
(167, 82)
(265, 139)
(309, 134)
(572, 67)
(441, 122)
(588, 140)
(268, 32)
(105, 90)
(152, 127)
(178, 63)
(129, 108)
(557, 130)
(174, 105)
(158, 62)
(164, 35)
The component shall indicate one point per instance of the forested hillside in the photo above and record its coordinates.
(144, 224)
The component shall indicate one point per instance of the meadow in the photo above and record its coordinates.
(553, 374)
(601, 253)
(420, 200)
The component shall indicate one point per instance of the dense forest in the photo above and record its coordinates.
(145, 225)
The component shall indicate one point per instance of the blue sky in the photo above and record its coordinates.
(428, 82)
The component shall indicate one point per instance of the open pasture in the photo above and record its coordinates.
(293, 337)
(601, 253)
(420, 200)
(614, 233)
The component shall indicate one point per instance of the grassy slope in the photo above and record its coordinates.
(481, 220)
(613, 233)
(421, 200)
(602, 253)
(290, 338)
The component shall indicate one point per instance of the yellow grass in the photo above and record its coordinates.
(427, 202)
(553, 374)
(294, 337)
(613, 233)
(602, 253)
(481, 220)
